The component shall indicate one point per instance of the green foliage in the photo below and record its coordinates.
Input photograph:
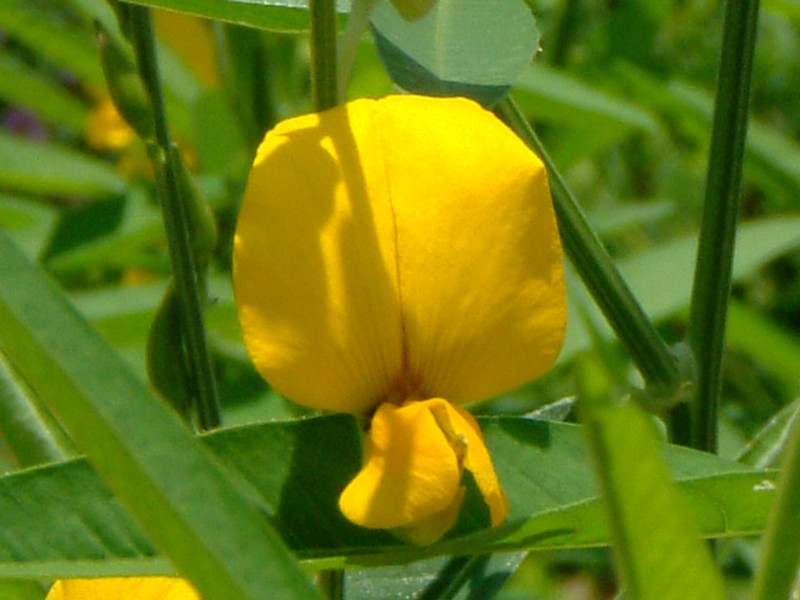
(621, 97)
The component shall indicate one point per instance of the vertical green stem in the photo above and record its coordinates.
(712, 279)
(176, 224)
(325, 89)
(325, 92)
(598, 272)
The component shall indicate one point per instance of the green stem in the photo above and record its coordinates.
(657, 364)
(712, 278)
(176, 225)
(325, 89)
(780, 549)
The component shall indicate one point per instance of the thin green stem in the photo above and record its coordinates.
(325, 89)
(712, 278)
(176, 224)
(657, 364)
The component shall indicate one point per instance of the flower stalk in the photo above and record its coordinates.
(712, 279)
(176, 220)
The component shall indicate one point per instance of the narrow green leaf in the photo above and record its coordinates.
(45, 31)
(780, 554)
(768, 446)
(33, 168)
(459, 48)
(274, 15)
(28, 222)
(28, 429)
(775, 347)
(658, 549)
(179, 494)
(22, 86)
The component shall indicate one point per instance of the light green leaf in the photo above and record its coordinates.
(33, 168)
(275, 15)
(470, 48)
(174, 488)
(658, 549)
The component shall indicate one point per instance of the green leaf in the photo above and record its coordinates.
(174, 488)
(658, 549)
(274, 15)
(780, 554)
(776, 348)
(459, 48)
(460, 578)
(542, 466)
(22, 86)
(26, 426)
(27, 222)
(768, 446)
(757, 243)
(36, 168)
(45, 31)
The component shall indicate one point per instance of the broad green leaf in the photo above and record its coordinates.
(658, 549)
(22, 86)
(470, 48)
(38, 168)
(295, 470)
(174, 488)
(457, 578)
(275, 15)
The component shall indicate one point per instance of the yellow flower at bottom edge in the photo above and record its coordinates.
(400, 257)
(122, 588)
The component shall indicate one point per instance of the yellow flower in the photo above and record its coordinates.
(122, 588)
(398, 258)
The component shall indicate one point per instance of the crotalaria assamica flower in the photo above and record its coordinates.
(398, 258)
(122, 588)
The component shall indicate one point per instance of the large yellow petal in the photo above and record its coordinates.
(479, 255)
(122, 588)
(398, 249)
(315, 264)
(410, 471)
